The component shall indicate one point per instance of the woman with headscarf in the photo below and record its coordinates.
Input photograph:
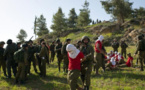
(75, 58)
(99, 52)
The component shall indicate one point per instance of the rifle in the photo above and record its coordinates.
(30, 38)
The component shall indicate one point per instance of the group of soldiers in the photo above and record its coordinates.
(19, 58)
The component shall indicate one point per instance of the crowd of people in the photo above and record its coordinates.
(78, 60)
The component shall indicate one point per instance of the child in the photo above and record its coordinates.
(129, 62)
(75, 58)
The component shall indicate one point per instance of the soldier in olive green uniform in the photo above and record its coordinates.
(86, 66)
(58, 51)
(65, 56)
(44, 57)
(31, 58)
(21, 57)
(123, 48)
(140, 51)
(115, 45)
(78, 45)
(9, 54)
(52, 49)
(2, 59)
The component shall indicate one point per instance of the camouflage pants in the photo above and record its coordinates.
(100, 61)
(34, 64)
(21, 72)
(59, 60)
(11, 64)
(141, 56)
(72, 78)
(3, 65)
(65, 63)
(86, 70)
(123, 53)
(43, 67)
(52, 56)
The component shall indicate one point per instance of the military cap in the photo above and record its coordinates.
(9, 41)
(2, 43)
(85, 37)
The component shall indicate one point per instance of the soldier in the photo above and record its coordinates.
(9, 54)
(31, 58)
(86, 66)
(140, 51)
(2, 59)
(58, 51)
(79, 43)
(18, 45)
(44, 57)
(115, 45)
(65, 57)
(52, 49)
(21, 56)
(99, 53)
(123, 48)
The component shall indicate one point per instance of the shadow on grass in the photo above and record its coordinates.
(35, 82)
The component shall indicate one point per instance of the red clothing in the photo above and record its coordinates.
(112, 55)
(128, 61)
(75, 63)
(100, 46)
(118, 59)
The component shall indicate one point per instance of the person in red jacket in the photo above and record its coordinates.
(129, 62)
(75, 58)
(99, 53)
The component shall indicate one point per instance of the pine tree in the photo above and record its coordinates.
(22, 36)
(72, 18)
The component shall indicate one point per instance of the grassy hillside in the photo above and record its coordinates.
(122, 79)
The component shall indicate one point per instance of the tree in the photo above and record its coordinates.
(140, 13)
(59, 22)
(41, 26)
(72, 20)
(22, 35)
(120, 9)
(84, 16)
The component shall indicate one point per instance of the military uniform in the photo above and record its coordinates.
(141, 52)
(22, 59)
(86, 66)
(2, 60)
(59, 55)
(44, 57)
(123, 49)
(65, 58)
(115, 46)
(52, 49)
(31, 58)
(9, 53)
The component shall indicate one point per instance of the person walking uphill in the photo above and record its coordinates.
(86, 66)
(21, 57)
(9, 54)
(99, 52)
(2, 59)
(140, 50)
(75, 59)
(65, 57)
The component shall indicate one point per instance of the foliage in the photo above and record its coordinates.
(119, 9)
(41, 26)
(72, 18)
(22, 35)
(59, 22)
(84, 16)
(138, 13)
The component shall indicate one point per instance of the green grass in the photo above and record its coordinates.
(123, 78)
